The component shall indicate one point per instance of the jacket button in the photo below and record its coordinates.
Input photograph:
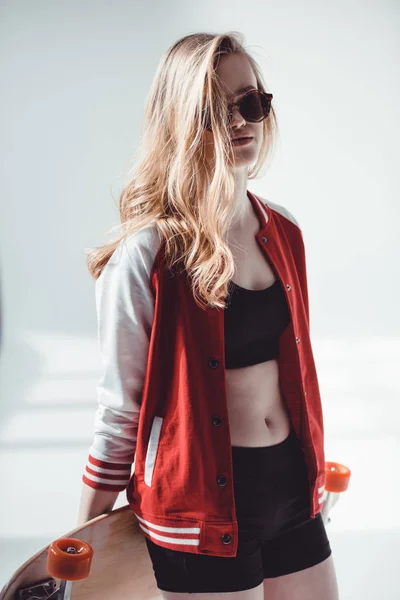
(264, 239)
(213, 362)
(226, 538)
(221, 480)
(297, 340)
(288, 287)
(216, 421)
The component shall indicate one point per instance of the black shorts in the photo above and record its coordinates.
(276, 534)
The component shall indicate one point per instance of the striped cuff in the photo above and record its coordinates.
(101, 475)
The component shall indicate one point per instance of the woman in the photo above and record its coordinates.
(209, 380)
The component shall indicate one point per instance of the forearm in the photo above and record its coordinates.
(94, 503)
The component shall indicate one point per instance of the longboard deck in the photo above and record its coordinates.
(121, 567)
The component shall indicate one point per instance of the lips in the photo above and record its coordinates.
(247, 137)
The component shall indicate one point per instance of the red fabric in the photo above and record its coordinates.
(184, 502)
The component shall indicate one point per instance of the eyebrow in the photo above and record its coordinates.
(243, 89)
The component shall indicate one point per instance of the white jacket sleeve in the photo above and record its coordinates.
(125, 309)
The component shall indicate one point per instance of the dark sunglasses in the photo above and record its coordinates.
(254, 106)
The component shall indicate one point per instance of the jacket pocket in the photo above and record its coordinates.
(152, 448)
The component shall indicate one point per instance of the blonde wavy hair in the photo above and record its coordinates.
(174, 183)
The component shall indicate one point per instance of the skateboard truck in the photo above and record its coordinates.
(38, 591)
(68, 559)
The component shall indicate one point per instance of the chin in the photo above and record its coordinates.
(245, 158)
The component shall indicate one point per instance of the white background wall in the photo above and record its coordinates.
(74, 76)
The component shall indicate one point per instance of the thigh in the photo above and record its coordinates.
(256, 593)
(318, 581)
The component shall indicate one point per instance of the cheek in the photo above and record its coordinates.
(259, 138)
(260, 132)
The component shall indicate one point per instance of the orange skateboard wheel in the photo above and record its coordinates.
(69, 559)
(337, 477)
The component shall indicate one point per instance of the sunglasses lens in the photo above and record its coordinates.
(255, 106)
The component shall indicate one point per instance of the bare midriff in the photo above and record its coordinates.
(258, 414)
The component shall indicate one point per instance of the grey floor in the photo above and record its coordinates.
(45, 432)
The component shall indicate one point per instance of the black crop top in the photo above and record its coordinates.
(254, 320)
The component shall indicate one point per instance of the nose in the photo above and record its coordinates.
(236, 117)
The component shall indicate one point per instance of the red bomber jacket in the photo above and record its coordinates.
(162, 400)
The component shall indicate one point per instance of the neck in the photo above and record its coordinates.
(243, 207)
